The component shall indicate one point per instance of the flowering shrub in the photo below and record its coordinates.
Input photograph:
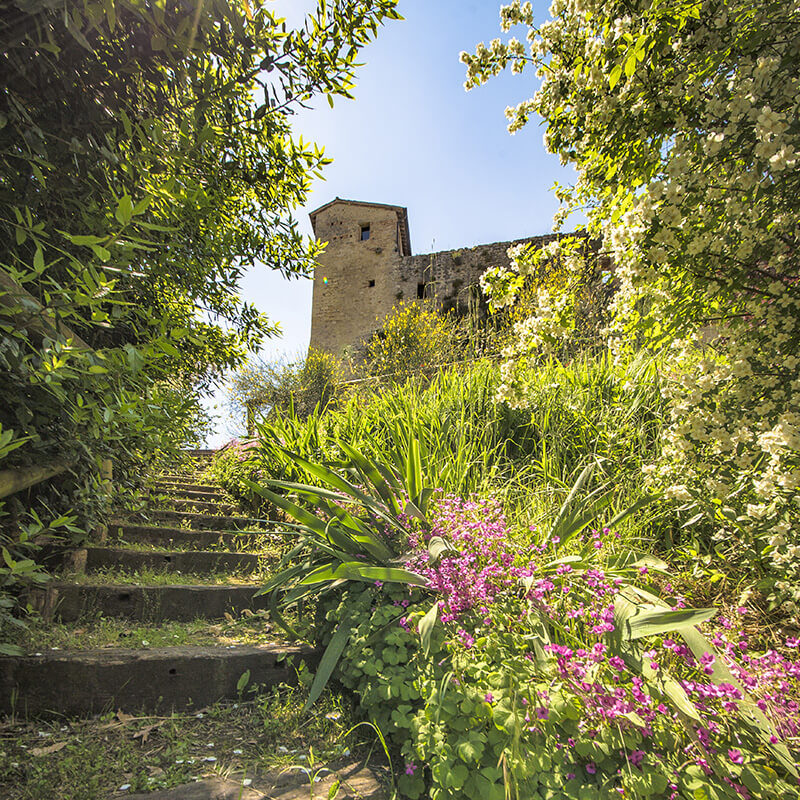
(415, 338)
(264, 388)
(560, 676)
(681, 120)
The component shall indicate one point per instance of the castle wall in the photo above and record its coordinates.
(449, 276)
(358, 280)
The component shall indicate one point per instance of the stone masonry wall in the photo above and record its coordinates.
(451, 275)
(359, 279)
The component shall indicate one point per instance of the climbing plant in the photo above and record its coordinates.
(681, 119)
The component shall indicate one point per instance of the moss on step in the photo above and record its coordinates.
(91, 632)
(152, 577)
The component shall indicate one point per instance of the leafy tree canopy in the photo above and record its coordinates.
(146, 160)
(146, 156)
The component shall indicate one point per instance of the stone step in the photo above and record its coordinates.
(74, 683)
(189, 486)
(342, 780)
(163, 517)
(69, 602)
(202, 453)
(165, 536)
(189, 494)
(194, 521)
(194, 562)
(184, 477)
(199, 506)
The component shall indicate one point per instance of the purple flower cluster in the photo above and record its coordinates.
(482, 567)
(613, 692)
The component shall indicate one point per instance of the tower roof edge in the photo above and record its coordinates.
(401, 211)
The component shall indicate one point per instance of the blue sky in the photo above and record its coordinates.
(414, 137)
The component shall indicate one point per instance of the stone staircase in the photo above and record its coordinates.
(197, 558)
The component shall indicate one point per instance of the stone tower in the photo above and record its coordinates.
(355, 282)
(367, 268)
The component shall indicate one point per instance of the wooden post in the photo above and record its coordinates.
(18, 299)
(106, 476)
(15, 480)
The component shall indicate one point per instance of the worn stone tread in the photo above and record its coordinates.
(200, 521)
(358, 781)
(197, 562)
(190, 494)
(92, 681)
(199, 506)
(69, 602)
(188, 485)
(167, 536)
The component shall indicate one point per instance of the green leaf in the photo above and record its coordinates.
(426, 626)
(83, 240)
(243, 681)
(142, 205)
(124, 210)
(169, 348)
(355, 570)
(413, 471)
(641, 503)
(386, 485)
(438, 547)
(330, 658)
(101, 252)
(650, 623)
(613, 78)
(470, 750)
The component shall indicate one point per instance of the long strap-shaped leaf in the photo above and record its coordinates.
(321, 528)
(302, 515)
(315, 492)
(330, 658)
(331, 478)
(758, 721)
(561, 528)
(358, 570)
(384, 483)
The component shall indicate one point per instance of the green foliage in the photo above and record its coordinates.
(414, 339)
(588, 409)
(19, 571)
(269, 388)
(146, 160)
(349, 527)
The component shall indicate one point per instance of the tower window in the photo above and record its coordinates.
(420, 291)
(364, 233)
(371, 284)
